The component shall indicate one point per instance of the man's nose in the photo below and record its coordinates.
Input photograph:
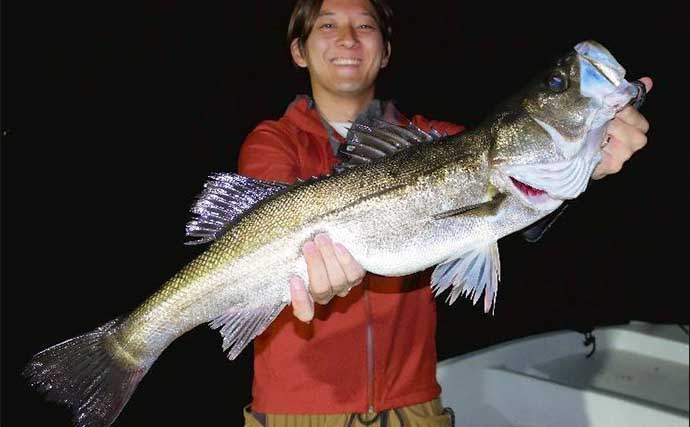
(347, 36)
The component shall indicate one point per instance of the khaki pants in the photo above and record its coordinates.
(427, 414)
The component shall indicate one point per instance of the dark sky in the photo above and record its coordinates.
(114, 114)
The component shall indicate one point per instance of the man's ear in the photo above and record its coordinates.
(297, 54)
(386, 58)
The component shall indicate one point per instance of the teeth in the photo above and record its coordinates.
(346, 61)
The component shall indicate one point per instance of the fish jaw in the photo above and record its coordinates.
(602, 79)
(601, 68)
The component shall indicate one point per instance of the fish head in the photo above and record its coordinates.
(547, 139)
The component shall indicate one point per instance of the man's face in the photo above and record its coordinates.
(344, 51)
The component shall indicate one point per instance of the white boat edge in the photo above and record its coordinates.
(638, 376)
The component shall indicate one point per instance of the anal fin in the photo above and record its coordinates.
(239, 326)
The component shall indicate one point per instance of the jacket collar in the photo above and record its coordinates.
(303, 114)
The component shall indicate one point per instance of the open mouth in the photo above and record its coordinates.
(349, 62)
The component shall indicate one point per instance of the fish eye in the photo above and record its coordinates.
(557, 82)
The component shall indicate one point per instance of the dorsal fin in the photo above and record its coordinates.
(224, 198)
(379, 138)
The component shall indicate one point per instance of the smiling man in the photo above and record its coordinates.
(343, 51)
(369, 356)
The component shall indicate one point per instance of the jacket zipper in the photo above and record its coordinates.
(370, 352)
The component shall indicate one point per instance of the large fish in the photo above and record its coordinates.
(405, 201)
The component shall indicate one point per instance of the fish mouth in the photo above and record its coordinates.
(603, 63)
(602, 77)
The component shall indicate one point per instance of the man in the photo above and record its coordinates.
(368, 357)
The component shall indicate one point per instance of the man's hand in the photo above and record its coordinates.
(332, 271)
(626, 134)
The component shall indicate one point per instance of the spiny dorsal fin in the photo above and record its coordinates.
(378, 138)
(224, 198)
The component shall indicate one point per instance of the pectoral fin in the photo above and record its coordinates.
(471, 274)
(488, 208)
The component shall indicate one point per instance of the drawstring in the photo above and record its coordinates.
(400, 417)
(448, 410)
(382, 415)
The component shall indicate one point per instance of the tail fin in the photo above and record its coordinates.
(88, 374)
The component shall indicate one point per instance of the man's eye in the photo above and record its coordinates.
(367, 27)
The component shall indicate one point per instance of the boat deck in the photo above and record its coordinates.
(638, 376)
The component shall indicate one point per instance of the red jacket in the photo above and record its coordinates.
(330, 365)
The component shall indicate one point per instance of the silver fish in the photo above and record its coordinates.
(406, 200)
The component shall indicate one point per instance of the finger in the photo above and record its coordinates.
(319, 285)
(353, 270)
(631, 116)
(347, 291)
(615, 154)
(628, 136)
(302, 304)
(336, 275)
(608, 165)
(648, 83)
(618, 150)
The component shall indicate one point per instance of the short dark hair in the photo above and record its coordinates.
(306, 11)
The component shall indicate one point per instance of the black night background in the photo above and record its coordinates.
(114, 113)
